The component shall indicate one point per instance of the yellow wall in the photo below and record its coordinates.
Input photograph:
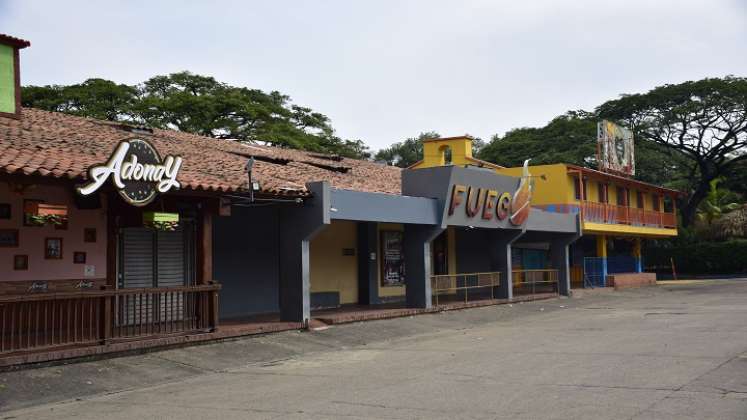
(331, 271)
(556, 188)
(434, 152)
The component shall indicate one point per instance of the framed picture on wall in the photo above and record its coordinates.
(20, 262)
(392, 258)
(79, 257)
(8, 238)
(53, 248)
(4, 210)
(89, 235)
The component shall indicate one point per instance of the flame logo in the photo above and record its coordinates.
(520, 204)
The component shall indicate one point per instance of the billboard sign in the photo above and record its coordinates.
(615, 148)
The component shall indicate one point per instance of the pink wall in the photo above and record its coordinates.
(31, 239)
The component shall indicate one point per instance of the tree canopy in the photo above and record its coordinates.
(201, 105)
(568, 138)
(705, 121)
(571, 138)
(406, 152)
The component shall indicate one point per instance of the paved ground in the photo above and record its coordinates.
(670, 352)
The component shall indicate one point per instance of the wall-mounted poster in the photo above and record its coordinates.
(20, 262)
(9, 238)
(392, 258)
(79, 257)
(53, 248)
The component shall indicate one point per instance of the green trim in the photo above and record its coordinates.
(7, 80)
(153, 216)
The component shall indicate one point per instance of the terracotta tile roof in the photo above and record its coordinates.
(64, 146)
(13, 41)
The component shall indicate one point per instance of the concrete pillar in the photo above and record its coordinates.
(368, 260)
(417, 240)
(500, 259)
(637, 255)
(602, 255)
(298, 224)
(559, 259)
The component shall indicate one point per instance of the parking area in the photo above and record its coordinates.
(676, 351)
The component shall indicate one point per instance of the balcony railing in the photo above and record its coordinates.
(475, 286)
(610, 213)
(46, 321)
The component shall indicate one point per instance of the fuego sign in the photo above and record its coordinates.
(488, 204)
(137, 172)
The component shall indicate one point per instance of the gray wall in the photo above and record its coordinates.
(245, 261)
(472, 250)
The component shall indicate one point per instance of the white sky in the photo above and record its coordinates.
(385, 70)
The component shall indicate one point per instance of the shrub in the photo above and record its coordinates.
(729, 257)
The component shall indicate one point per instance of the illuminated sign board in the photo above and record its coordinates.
(137, 172)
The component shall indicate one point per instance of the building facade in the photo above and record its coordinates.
(115, 236)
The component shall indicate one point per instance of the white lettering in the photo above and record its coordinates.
(162, 174)
(171, 168)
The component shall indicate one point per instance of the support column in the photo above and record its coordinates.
(559, 259)
(417, 240)
(637, 255)
(500, 260)
(298, 225)
(368, 282)
(602, 255)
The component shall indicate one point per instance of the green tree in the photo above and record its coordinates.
(717, 202)
(95, 98)
(569, 138)
(705, 120)
(406, 152)
(200, 105)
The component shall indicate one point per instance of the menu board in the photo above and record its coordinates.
(392, 259)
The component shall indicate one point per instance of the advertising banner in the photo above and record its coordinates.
(393, 258)
(615, 148)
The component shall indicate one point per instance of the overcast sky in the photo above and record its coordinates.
(387, 70)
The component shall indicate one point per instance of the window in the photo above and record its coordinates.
(623, 196)
(639, 199)
(668, 204)
(445, 151)
(602, 192)
(655, 201)
(577, 192)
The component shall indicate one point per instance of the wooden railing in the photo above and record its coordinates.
(610, 213)
(535, 281)
(51, 320)
(465, 286)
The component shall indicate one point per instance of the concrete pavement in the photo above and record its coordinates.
(672, 352)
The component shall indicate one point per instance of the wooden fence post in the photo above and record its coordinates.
(106, 318)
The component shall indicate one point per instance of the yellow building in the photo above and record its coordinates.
(616, 212)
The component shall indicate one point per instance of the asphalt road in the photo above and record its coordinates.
(669, 352)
